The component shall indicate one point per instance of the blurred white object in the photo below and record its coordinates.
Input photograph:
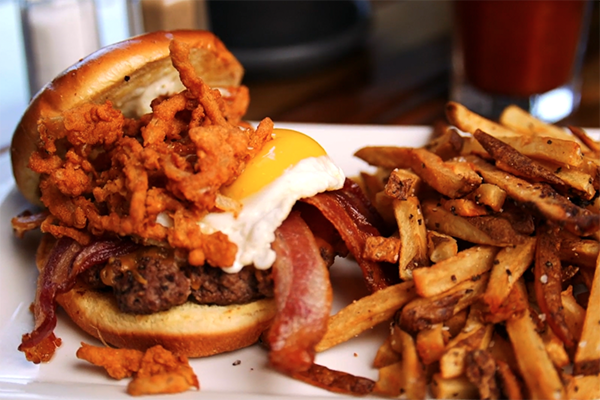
(56, 33)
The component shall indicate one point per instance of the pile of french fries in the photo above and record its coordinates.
(496, 238)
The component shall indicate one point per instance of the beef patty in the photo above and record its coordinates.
(151, 280)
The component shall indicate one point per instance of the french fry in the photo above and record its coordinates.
(579, 182)
(480, 369)
(582, 252)
(402, 184)
(518, 120)
(548, 283)
(413, 374)
(440, 246)
(365, 313)
(453, 388)
(413, 236)
(464, 207)
(379, 248)
(422, 312)
(467, 264)
(449, 144)
(475, 335)
(455, 324)
(502, 351)
(583, 387)
(335, 381)
(468, 121)
(489, 195)
(486, 230)
(587, 356)
(508, 267)
(585, 139)
(564, 152)
(386, 355)
(509, 159)
(545, 200)
(514, 303)
(389, 382)
(452, 362)
(509, 382)
(431, 344)
(574, 313)
(555, 348)
(445, 178)
(535, 366)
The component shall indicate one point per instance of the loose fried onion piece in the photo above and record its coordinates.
(156, 371)
(335, 381)
(118, 175)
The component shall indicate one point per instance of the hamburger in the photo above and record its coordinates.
(169, 220)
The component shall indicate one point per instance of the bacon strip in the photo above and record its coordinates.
(352, 215)
(66, 261)
(303, 296)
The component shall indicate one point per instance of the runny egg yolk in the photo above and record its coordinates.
(286, 149)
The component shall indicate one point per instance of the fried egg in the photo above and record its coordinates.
(289, 167)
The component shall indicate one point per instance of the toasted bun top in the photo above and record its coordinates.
(130, 74)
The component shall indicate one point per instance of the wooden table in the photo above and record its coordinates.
(384, 83)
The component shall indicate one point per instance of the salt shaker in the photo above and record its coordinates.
(56, 33)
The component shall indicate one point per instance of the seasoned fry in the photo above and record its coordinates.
(515, 303)
(440, 246)
(378, 248)
(563, 152)
(574, 313)
(555, 348)
(587, 356)
(431, 344)
(508, 267)
(413, 236)
(414, 385)
(548, 282)
(583, 387)
(422, 312)
(489, 195)
(467, 264)
(453, 388)
(535, 366)
(335, 381)
(585, 139)
(386, 355)
(481, 371)
(389, 382)
(508, 381)
(475, 335)
(449, 144)
(402, 184)
(468, 121)
(582, 252)
(464, 207)
(545, 200)
(521, 121)
(485, 230)
(365, 313)
(448, 179)
(509, 159)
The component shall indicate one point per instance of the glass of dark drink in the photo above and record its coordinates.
(522, 52)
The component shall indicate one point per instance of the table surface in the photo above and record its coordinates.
(400, 76)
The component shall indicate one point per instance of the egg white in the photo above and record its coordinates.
(253, 230)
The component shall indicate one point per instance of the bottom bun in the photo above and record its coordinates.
(189, 329)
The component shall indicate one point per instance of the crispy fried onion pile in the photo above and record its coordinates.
(105, 174)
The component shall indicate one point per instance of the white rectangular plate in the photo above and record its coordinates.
(66, 377)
